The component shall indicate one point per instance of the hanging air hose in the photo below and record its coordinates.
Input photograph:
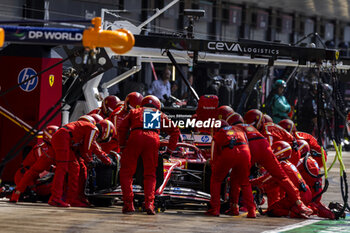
(336, 141)
(343, 182)
(307, 168)
(320, 107)
(326, 182)
(343, 177)
(339, 104)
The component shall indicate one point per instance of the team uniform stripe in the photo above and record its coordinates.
(282, 151)
(230, 116)
(47, 135)
(39, 151)
(302, 146)
(107, 131)
(91, 139)
(259, 122)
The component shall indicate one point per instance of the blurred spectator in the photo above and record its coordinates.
(308, 111)
(277, 102)
(343, 46)
(330, 44)
(162, 87)
(187, 92)
(174, 89)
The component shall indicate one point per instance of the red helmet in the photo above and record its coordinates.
(48, 132)
(133, 100)
(282, 150)
(288, 125)
(234, 118)
(87, 118)
(151, 101)
(107, 130)
(120, 103)
(254, 117)
(224, 111)
(303, 147)
(96, 117)
(109, 104)
(267, 118)
(223, 123)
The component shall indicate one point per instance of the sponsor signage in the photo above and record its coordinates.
(27, 74)
(49, 36)
(240, 48)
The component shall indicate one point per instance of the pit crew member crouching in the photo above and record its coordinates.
(284, 207)
(86, 134)
(38, 160)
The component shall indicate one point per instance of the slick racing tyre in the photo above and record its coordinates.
(101, 201)
(206, 177)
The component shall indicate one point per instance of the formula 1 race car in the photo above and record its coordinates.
(184, 178)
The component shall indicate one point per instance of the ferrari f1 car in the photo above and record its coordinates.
(184, 178)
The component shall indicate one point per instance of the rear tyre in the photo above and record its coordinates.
(206, 177)
(101, 202)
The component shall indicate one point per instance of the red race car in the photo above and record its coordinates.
(184, 178)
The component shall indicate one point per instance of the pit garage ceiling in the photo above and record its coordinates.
(331, 9)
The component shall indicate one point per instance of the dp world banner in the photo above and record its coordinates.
(46, 36)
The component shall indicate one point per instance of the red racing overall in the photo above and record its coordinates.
(262, 154)
(231, 151)
(98, 111)
(315, 185)
(273, 133)
(313, 146)
(284, 205)
(144, 143)
(116, 117)
(30, 159)
(269, 186)
(81, 132)
(44, 163)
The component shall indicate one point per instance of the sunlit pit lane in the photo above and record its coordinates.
(39, 217)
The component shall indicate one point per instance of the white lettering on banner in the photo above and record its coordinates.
(55, 35)
(231, 46)
(213, 45)
(35, 34)
(261, 51)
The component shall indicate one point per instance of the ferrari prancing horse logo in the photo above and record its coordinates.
(51, 80)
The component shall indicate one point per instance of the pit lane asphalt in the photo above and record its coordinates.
(39, 217)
